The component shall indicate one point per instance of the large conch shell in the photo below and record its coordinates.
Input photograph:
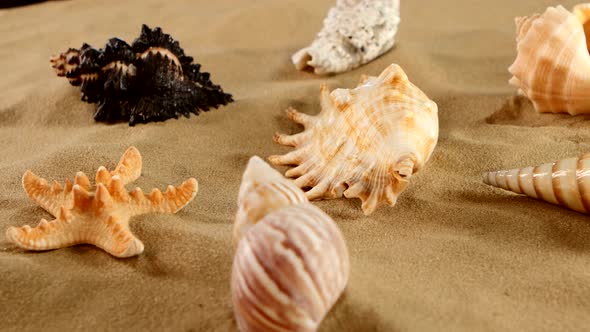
(565, 182)
(355, 32)
(291, 262)
(553, 65)
(366, 142)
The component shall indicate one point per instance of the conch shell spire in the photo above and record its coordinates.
(565, 182)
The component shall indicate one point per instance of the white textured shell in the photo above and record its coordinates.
(553, 63)
(355, 32)
(565, 182)
(291, 266)
(366, 142)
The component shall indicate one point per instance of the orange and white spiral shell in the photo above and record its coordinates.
(565, 182)
(553, 65)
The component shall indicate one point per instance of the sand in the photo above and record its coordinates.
(453, 254)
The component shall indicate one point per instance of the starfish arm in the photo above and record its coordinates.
(129, 167)
(171, 201)
(116, 238)
(49, 196)
(47, 235)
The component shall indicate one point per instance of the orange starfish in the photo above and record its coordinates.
(100, 218)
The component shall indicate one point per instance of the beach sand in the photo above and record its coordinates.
(453, 254)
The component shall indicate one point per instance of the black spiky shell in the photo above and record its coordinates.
(150, 80)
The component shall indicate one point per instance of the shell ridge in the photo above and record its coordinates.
(556, 182)
(291, 246)
(281, 280)
(581, 185)
(332, 231)
(545, 89)
(325, 233)
(246, 293)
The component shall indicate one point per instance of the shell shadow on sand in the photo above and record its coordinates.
(519, 111)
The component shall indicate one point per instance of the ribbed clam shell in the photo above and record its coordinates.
(553, 63)
(291, 262)
(355, 32)
(565, 182)
(366, 142)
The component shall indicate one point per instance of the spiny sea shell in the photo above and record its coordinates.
(565, 182)
(291, 262)
(150, 80)
(366, 142)
(355, 32)
(553, 63)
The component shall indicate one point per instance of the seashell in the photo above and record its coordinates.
(552, 62)
(582, 12)
(291, 262)
(366, 142)
(100, 215)
(263, 191)
(150, 80)
(565, 182)
(355, 32)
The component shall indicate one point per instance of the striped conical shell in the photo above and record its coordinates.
(291, 266)
(565, 182)
(552, 67)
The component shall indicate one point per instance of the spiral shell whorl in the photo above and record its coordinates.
(263, 191)
(289, 270)
(565, 182)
